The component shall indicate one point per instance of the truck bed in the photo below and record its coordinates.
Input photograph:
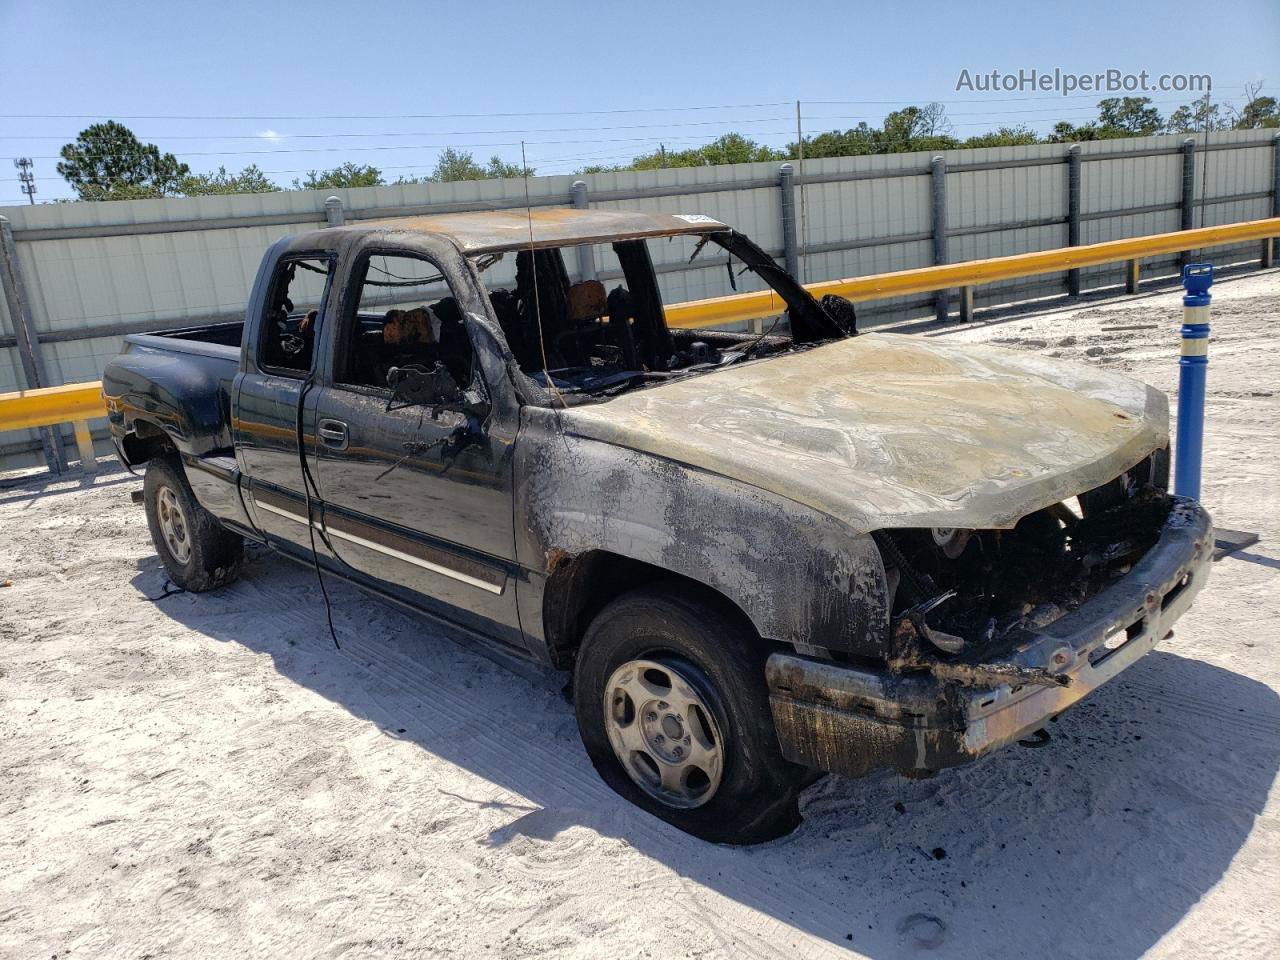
(146, 383)
(209, 340)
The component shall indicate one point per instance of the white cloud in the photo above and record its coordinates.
(271, 135)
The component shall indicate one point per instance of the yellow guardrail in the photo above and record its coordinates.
(76, 403)
(73, 403)
(765, 303)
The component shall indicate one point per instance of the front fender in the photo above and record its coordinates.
(800, 576)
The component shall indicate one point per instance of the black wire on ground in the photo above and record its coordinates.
(169, 589)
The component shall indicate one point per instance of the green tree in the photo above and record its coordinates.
(108, 162)
(1258, 111)
(1018, 136)
(348, 175)
(497, 169)
(1131, 116)
(917, 128)
(1064, 131)
(248, 180)
(454, 165)
(854, 142)
(729, 148)
(1201, 114)
(905, 130)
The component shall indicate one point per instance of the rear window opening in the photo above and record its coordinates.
(292, 320)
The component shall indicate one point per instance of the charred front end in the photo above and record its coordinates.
(993, 632)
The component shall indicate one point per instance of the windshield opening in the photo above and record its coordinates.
(587, 322)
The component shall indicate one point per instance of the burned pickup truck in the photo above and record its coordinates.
(759, 553)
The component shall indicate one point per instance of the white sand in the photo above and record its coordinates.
(204, 776)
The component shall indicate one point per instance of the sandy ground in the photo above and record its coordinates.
(205, 776)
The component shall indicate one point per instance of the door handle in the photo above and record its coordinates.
(333, 433)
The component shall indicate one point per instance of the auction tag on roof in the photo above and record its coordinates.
(695, 218)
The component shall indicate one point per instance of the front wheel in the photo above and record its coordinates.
(196, 551)
(673, 710)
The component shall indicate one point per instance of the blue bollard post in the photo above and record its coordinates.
(1193, 366)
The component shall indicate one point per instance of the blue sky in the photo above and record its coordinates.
(580, 83)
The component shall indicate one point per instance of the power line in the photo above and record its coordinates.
(546, 113)
(1104, 95)
(1047, 111)
(420, 146)
(272, 135)
(993, 117)
(492, 143)
(384, 116)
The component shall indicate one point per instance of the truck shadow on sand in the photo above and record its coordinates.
(1094, 846)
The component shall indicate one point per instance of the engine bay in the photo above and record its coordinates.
(974, 593)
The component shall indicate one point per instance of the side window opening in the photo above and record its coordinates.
(295, 307)
(405, 317)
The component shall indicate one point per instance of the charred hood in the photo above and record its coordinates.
(885, 430)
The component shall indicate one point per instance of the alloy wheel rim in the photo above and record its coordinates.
(663, 732)
(174, 529)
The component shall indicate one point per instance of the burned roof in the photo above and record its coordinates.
(490, 231)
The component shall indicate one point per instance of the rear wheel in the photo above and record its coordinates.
(196, 551)
(673, 710)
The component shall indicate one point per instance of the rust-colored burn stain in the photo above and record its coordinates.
(884, 431)
(981, 674)
(557, 558)
(491, 231)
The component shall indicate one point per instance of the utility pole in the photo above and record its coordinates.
(27, 177)
(804, 212)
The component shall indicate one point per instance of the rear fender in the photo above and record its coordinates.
(184, 396)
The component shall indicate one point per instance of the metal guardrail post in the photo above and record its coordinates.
(938, 177)
(966, 304)
(1188, 203)
(84, 447)
(1073, 213)
(787, 193)
(1132, 276)
(33, 369)
(333, 212)
(586, 256)
(1193, 368)
(1270, 245)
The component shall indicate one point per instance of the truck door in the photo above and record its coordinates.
(420, 503)
(265, 418)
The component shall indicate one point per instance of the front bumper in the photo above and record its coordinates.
(851, 719)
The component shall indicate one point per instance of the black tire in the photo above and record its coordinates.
(715, 650)
(212, 555)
